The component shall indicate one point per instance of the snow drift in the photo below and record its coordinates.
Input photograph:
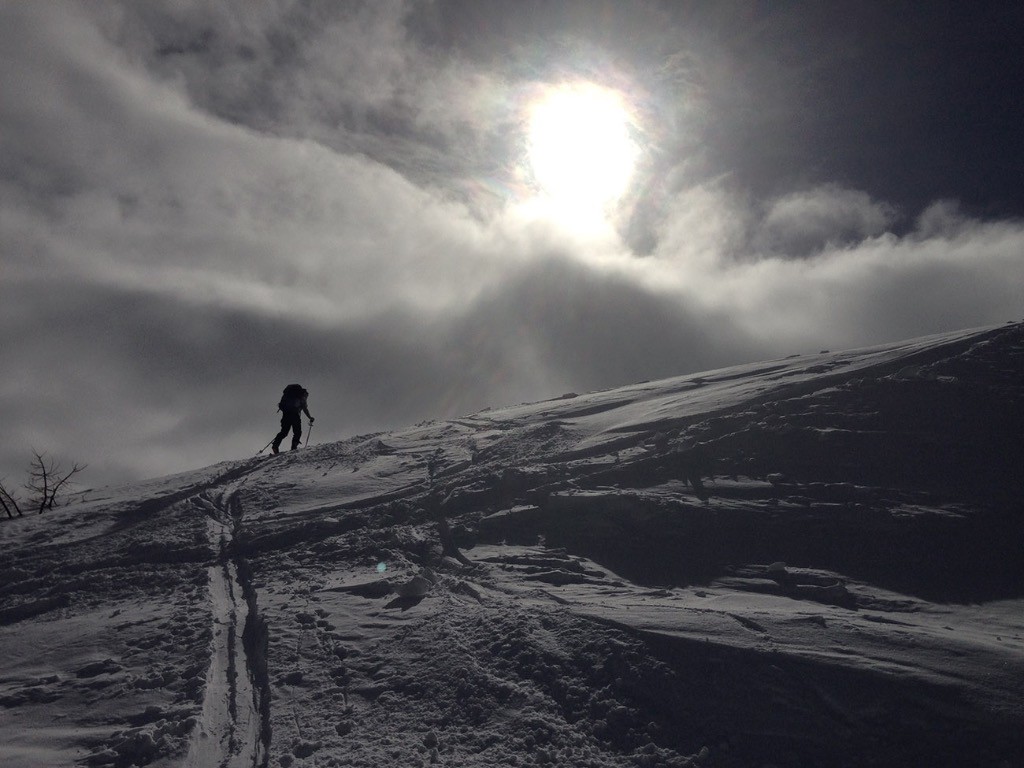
(808, 561)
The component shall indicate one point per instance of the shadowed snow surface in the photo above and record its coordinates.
(814, 561)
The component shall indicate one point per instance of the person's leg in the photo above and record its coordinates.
(296, 431)
(285, 427)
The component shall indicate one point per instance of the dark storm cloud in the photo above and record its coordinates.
(352, 76)
(200, 203)
(909, 101)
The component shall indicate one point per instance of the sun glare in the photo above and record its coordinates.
(580, 150)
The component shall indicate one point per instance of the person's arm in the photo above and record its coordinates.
(305, 410)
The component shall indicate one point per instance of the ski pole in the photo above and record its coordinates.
(308, 432)
(261, 450)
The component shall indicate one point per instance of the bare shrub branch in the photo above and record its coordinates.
(46, 477)
(8, 500)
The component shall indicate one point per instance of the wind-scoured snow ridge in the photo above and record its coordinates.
(808, 561)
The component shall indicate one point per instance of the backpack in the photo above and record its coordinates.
(293, 398)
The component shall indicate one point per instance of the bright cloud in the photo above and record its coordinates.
(854, 282)
(808, 222)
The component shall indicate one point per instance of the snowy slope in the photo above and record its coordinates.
(809, 561)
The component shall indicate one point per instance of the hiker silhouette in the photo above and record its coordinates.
(292, 406)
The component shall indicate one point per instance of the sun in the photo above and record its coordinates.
(581, 154)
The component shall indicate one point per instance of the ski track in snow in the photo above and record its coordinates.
(230, 729)
(229, 732)
(805, 562)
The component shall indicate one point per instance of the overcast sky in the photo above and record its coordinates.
(202, 202)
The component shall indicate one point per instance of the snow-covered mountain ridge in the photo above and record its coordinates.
(809, 561)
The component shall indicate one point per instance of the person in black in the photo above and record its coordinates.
(292, 405)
